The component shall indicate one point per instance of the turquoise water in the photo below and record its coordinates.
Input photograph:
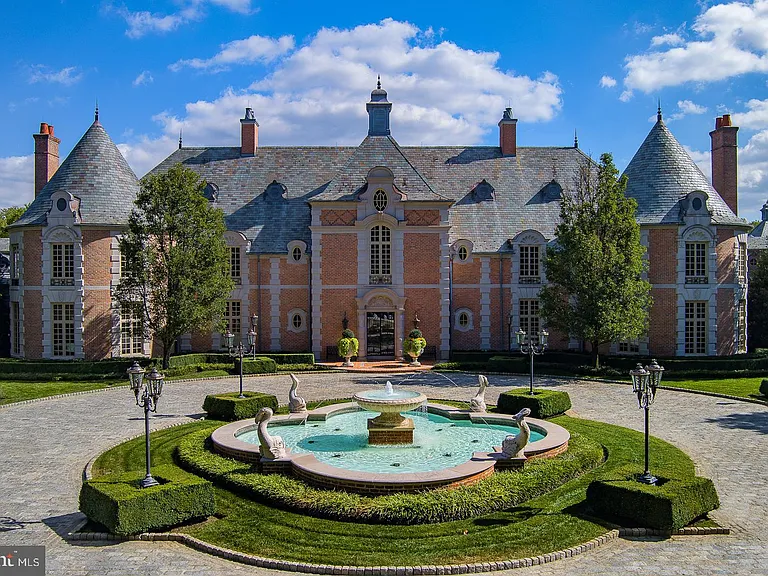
(342, 441)
(384, 395)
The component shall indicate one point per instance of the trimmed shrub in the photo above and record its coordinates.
(543, 403)
(415, 343)
(76, 367)
(229, 407)
(119, 503)
(261, 365)
(764, 387)
(197, 359)
(509, 364)
(348, 345)
(671, 505)
(299, 358)
(500, 491)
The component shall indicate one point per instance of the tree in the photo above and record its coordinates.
(175, 262)
(594, 269)
(757, 303)
(8, 216)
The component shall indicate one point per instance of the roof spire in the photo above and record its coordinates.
(658, 112)
(575, 139)
(96, 113)
(378, 82)
(180, 135)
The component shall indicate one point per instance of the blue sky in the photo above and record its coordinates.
(307, 69)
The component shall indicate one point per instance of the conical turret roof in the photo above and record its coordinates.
(661, 174)
(95, 172)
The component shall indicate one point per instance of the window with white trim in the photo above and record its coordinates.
(234, 264)
(696, 263)
(16, 333)
(742, 268)
(629, 347)
(63, 264)
(742, 326)
(696, 327)
(297, 320)
(529, 316)
(296, 254)
(15, 261)
(380, 200)
(463, 320)
(233, 320)
(381, 250)
(463, 253)
(63, 332)
(131, 331)
(529, 264)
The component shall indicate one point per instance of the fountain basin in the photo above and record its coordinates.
(390, 427)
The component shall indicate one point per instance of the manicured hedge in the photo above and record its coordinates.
(197, 359)
(118, 502)
(500, 491)
(543, 403)
(229, 407)
(261, 365)
(298, 358)
(668, 506)
(103, 367)
(764, 387)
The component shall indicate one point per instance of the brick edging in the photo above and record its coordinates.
(471, 568)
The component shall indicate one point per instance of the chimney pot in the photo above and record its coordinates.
(43, 128)
(508, 134)
(46, 155)
(50, 129)
(726, 120)
(718, 122)
(249, 133)
(725, 161)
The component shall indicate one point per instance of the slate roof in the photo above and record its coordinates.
(95, 172)
(758, 238)
(661, 174)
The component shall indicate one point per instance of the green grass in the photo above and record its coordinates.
(11, 391)
(551, 522)
(742, 387)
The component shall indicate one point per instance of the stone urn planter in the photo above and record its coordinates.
(414, 345)
(347, 346)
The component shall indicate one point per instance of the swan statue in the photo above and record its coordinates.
(295, 402)
(514, 446)
(477, 404)
(271, 447)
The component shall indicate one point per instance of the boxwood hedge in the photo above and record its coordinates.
(764, 388)
(544, 403)
(229, 407)
(500, 491)
(261, 365)
(672, 504)
(118, 503)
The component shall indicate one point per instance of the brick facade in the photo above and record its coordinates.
(662, 334)
(662, 255)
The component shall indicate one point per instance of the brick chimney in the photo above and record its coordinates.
(724, 161)
(46, 156)
(508, 134)
(249, 134)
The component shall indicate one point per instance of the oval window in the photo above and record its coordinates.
(380, 200)
(696, 203)
(296, 254)
(463, 253)
(61, 204)
(463, 319)
(297, 321)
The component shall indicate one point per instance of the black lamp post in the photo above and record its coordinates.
(147, 393)
(645, 381)
(238, 351)
(253, 334)
(533, 345)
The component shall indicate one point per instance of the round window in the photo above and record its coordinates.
(296, 254)
(696, 203)
(463, 253)
(61, 204)
(380, 200)
(297, 321)
(463, 319)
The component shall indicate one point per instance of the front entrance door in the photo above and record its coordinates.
(381, 334)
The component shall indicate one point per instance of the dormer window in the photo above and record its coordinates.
(296, 254)
(463, 253)
(380, 200)
(483, 191)
(696, 204)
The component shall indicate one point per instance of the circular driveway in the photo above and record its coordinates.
(45, 445)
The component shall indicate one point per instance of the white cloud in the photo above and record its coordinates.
(731, 39)
(626, 96)
(66, 76)
(144, 78)
(673, 39)
(143, 22)
(755, 118)
(240, 6)
(17, 180)
(253, 49)
(607, 82)
(688, 107)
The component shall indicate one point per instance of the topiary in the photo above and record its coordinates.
(348, 345)
(347, 333)
(415, 343)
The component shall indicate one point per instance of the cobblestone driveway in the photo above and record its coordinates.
(45, 445)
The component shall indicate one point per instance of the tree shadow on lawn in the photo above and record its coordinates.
(754, 421)
(580, 510)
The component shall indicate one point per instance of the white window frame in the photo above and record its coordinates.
(131, 332)
(741, 326)
(742, 265)
(296, 312)
(470, 320)
(16, 328)
(15, 261)
(62, 264)
(530, 319)
(236, 264)
(530, 263)
(63, 329)
(233, 317)
(696, 325)
(380, 243)
(380, 200)
(696, 266)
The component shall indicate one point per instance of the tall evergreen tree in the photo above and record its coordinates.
(595, 290)
(8, 216)
(175, 262)
(757, 303)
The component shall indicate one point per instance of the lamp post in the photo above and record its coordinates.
(645, 381)
(238, 351)
(147, 394)
(533, 345)
(253, 334)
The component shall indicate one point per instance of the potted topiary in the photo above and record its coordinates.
(347, 346)
(414, 345)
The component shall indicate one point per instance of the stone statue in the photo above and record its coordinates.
(295, 402)
(269, 446)
(477, 404)
(514, 446)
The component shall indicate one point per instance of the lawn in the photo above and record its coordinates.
(18, 391)
(742, 387)
(551, 522)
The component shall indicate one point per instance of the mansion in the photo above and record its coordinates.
(374, 236)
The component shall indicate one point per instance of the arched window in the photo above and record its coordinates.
(463, 253)
(463, 320)
(381, 250)
(380, 200)
(297, 321)
(296, 253)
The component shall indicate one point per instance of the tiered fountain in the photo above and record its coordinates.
(390, 427)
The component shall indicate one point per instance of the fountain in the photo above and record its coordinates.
(389, 427)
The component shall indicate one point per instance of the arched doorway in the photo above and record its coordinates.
(380, 324)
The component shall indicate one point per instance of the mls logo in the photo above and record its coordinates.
(22, 560)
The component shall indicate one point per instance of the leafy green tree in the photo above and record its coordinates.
(757, 303)
(594, 269)
(175, 262)
(8, 216)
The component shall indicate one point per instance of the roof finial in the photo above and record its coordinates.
(658, 112)
(575, 139)
(180, 135)
(378, 82)
(96, 113)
